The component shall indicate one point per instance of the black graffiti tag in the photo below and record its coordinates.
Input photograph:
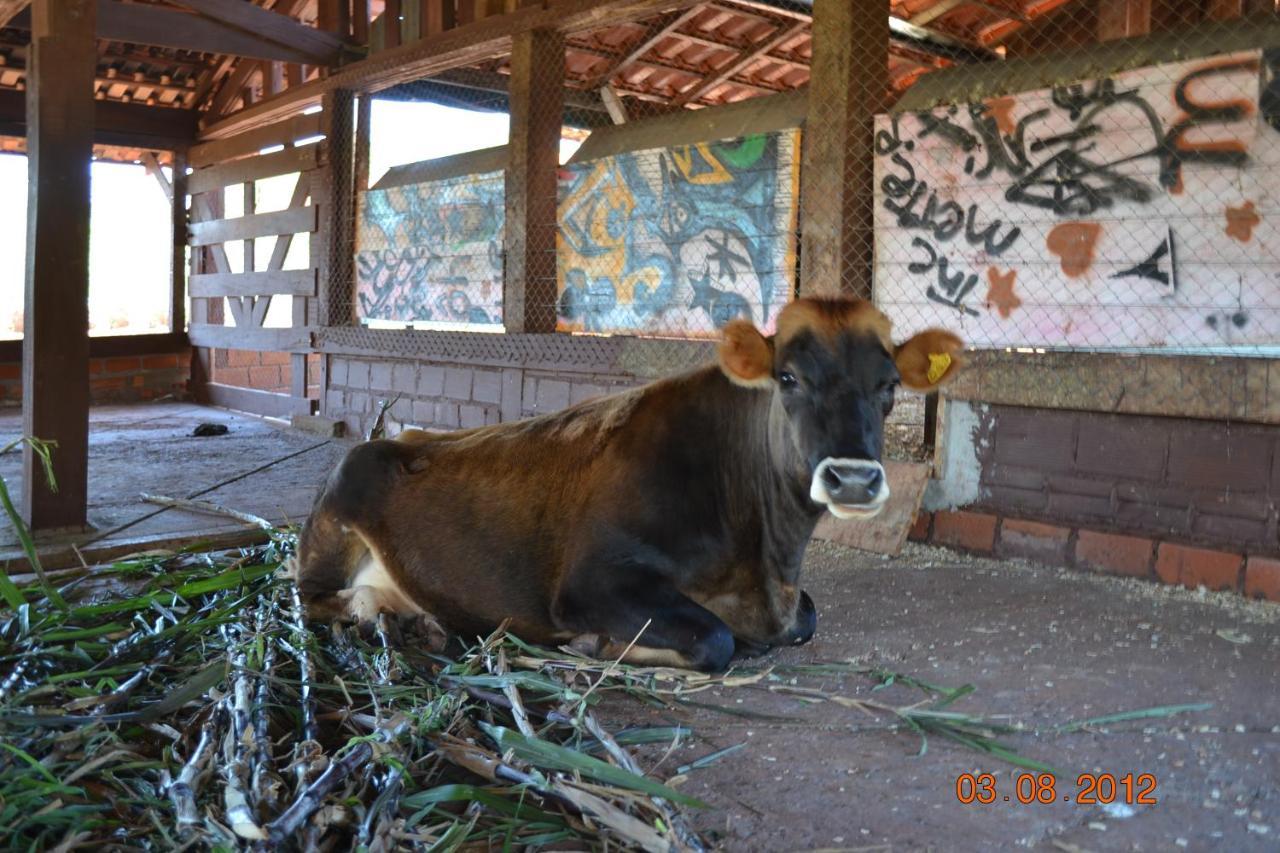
(952, 287)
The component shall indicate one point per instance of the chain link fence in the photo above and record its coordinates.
(1046, 178)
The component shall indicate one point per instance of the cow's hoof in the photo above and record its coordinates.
(749, 649)
(806, 621)
(424, 627)
(713, 652)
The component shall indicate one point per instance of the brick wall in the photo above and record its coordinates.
(1227, 569)
(437, 395)
(263, 371)
(117, 379)
(1200, 482)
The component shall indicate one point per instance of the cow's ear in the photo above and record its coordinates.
(928, 359)
(746, 356)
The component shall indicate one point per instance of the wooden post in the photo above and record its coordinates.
(1118, 19)
(536, 105)
(848, 84)
(178, 265)
(333, 191)
(55, 344)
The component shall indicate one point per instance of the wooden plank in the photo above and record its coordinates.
(253, 168)
(322, 48)
(9, 10)
(392, 23)
(741, 62)
(337, 300)
(291, 282)
(132, 125)
(1224, 10)
(1118, 19)
(529, 235)
(152, 165)
(655, 34)
(178, 238)
(262, 340)
(360, 22)
(301, 190)
(158, 26)
(265, 403)
(847, 87)
(251, 142)
(887, 532)
(292, 221)
(55, 346)
(936, 11)
(452, 48)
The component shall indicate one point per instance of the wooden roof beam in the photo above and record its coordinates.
(464, 45)
(159, 26)
(322, 48)
(744, 60)
(9, 10)
(653, 36)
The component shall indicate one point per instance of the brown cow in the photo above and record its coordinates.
(678, 512)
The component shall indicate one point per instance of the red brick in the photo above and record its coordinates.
(103, 383)
(242, 358)
(920, 528)
(1192, 567)
(276, 358)
(122, 365)
(11, 370)
(1262, 578)
(264, 377)
(161, 362)
(232, 376)
(1110, 552)
(973, 531)
(96, 365)
(1033, 540)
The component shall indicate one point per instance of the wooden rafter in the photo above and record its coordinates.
(9, 10)
(742, 62)
(164, 27)
(321, 48)
(653, 36)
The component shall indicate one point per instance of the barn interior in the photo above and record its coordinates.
(340, 219)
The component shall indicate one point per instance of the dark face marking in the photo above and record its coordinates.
(837, 394)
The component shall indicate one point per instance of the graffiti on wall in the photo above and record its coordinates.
(432, 252)
(681, 240)
(1128, 211)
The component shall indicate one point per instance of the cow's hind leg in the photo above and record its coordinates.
(622, 604)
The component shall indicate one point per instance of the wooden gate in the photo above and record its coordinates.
(217, 291)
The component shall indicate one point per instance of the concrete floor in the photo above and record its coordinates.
(1042, 646)
(259, 467)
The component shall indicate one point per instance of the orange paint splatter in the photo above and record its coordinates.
(1241, 221)
(1001, 109)
(1000, 291)
(1074, 243)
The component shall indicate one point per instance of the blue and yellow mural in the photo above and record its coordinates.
(432, 251)
(678, 241)
(672, 241)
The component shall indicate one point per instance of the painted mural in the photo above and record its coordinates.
(1137, 210)
(679, 241)
(432, 252)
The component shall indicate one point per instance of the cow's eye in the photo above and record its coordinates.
(787, 379)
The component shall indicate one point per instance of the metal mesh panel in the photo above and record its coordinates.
(1049, 179)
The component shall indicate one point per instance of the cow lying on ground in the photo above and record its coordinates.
(678, 511)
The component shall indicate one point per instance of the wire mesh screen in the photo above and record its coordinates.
(1040, 176)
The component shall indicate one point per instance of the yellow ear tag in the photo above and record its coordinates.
(938, 364)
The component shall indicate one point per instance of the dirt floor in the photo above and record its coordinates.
(257, 467)
(1042, 646)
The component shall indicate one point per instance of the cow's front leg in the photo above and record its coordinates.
(622, 603)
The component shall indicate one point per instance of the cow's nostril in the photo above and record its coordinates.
(832, 479)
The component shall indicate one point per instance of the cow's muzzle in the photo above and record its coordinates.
(850, 488)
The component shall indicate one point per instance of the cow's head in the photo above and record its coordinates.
(833, 368)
